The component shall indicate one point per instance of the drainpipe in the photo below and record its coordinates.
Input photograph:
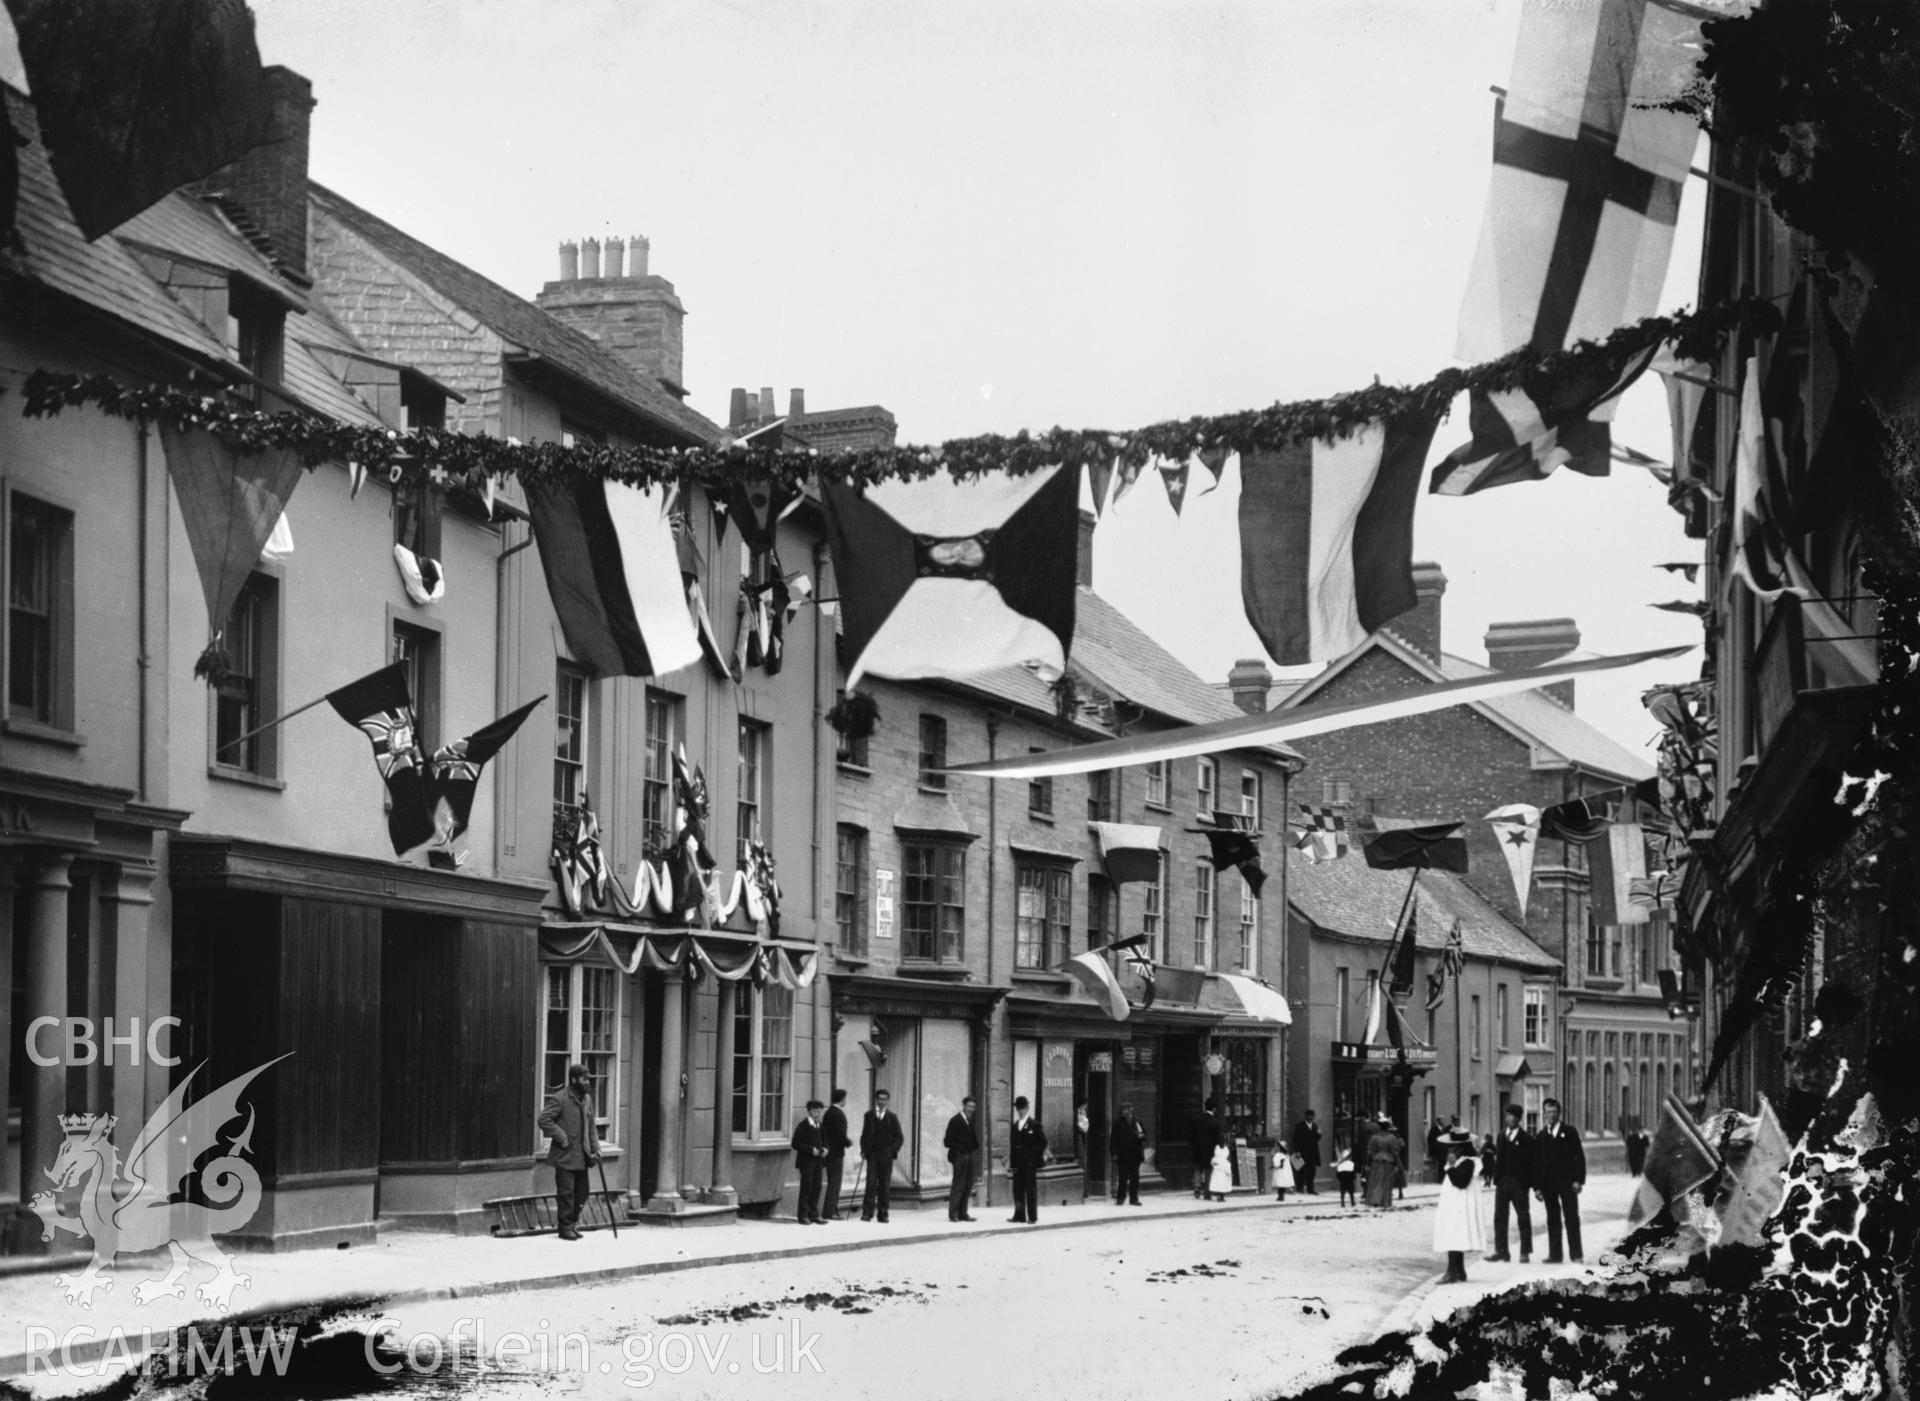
(986, 1069)
(821, 1005)
(142, 659)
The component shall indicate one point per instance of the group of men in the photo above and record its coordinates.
(1552, 1165)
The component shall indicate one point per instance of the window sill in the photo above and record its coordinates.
(938, 790)
(848, 766)
(743, 1143)
(1041, 975)
(46, 734)
(1151, 806)
(926, 968)
(246, 779)
(1035, 816)
(851, 960)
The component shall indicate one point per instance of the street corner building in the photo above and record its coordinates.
(962, 900)
(634, 880)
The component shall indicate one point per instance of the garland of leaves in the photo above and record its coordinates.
(445, 457)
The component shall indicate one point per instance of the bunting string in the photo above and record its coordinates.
(443, 457)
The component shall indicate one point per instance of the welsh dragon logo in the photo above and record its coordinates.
(140, 1209)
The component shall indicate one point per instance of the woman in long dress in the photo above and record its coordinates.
(1457, 1228)
(1221, 1181)
(1383, 1164)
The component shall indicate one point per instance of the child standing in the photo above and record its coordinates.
(1343, 1169)
(1456, 1226)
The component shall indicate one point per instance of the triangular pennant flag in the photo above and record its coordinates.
(380, 706)
(1215, 461)
(454, 772)
(1517, 825)
(1432, 846)
(757, 507)
(135, 99)
(1131, 851)
(1552, 420)
(280, 543)
(1090, 970)
(949, 579)
(1174, 474)
(1589, 158)
(1125, 475)
(613, 575)
(229, 501)
(1326, 538)
(356, 478)
(1100, 482)
(692, 568)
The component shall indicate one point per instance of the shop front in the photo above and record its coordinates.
(1067, 1062)
(1369, 1081)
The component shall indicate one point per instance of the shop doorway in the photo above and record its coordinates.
(1093, 1086)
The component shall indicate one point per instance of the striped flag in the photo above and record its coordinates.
(1326, 538)
(1090, 970)
(1759, 555)
(1549, 422)
(614, 575)
(1130, 850)
(1587, 174)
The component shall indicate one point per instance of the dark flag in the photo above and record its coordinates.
(1232, 844)
(1436, 846)
(1401, 980)
(1131, 851)
(455, 771)
(1582, 821)
(379, 705)
(757, 508)
(136, 99)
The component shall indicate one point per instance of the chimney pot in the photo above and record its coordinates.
(766, 403)
(616, 257)
(1083, 567)
(640, 246)
(590, 257)
(569, 260)
(1249, 682)
(738, 412)
(1523, 645)
(797, 403)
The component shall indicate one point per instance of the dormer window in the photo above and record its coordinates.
(421, 405)
(254, 324)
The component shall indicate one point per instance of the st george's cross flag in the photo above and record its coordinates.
(1326, 537)
(1517, 825)
(613, 572)
(1549, 422)
(1587, 174)
(944, 578)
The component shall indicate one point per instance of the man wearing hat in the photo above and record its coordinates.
(810, 1156)
(1559, 1172)
(568, 1120)
(1512, 1180)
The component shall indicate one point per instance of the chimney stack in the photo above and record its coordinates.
(590, 257)
(797, 403)
(616, 257)
(1249, 682)
(269, 182)
(639, 244)
(636, 317)
(766, 403)
(569, 261)
(1420, 628)
(1083, 571)
(739, 412)
(1520, 646)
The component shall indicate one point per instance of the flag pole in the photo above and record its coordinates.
(1459, 1069)
(262, 729)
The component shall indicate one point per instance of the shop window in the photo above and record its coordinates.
(1156, 796)
(933, 751)
(1205, 882)
(656, 775)
(40, 627)
(569, 743)
(1243, 1099)
(1153, 914)
(1039, 793)
(1100, 796)
(762, 1059)
(850, 749)
(934, 903)
(248, 695)
(751, 787)
(850, 880)
(1042, 916)
(582, 1022)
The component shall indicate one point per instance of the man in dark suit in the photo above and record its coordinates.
(1512, 1180)
(1559, 1172)
(1207, 1136)
(810, 1156)
(1306, 1143)
(1026, 1151)
(568, 1120)
(833, 1136)
(881, 1139)
(963, 1151)
(1129, 1151)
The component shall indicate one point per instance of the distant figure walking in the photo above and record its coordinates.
(1306, 1148)
(1383, 1163)
(1345, 1173)
(1457, 1229)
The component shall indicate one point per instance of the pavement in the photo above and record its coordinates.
(413, 1267)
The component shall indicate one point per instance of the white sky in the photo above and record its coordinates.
(995, 216)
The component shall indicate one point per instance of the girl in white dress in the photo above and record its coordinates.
(1457, 1228)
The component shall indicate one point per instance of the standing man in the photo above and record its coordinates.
(1026, 1151)
(1206, 1138)
(1129, 1151)
(568, 1121)
(810, 1156)
(1512, 1179)
(833, 1136)
(1306, 1146)
(963, 1151)
(1559, 1172)
(881, 1139)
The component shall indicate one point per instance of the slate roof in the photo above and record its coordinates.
(521, 323)
(195, 229)
(1349, 897)
(100, 274)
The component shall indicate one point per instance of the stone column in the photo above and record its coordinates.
(673, 1021)
(721, 1193)
(46, 883)
(126, 897)
(9, 1033)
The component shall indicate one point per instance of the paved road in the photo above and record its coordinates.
(1240, 1304)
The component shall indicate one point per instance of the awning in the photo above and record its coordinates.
(1512, 1067)
(692, 953)
(1259, 999)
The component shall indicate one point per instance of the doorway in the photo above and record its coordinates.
(1093, 1090)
